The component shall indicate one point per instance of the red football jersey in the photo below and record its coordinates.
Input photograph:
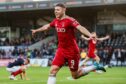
(66, 34)
(91, 46)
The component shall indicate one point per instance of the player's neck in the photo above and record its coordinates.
(64, 16)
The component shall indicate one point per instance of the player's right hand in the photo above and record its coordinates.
(33, 31)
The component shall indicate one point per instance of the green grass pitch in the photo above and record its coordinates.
(39, 75)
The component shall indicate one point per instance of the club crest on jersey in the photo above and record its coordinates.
(60, 29)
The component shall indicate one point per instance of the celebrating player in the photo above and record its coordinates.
(18, 67)
(67, 46)
(92, 48)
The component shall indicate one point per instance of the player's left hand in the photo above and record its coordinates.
(107, 36)
(82, 36)
(33, 32)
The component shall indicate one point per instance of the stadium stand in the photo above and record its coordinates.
(101, 19)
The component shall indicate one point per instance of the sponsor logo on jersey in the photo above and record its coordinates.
(60, 29)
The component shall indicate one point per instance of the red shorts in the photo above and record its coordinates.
(91, 55)
(60, 59)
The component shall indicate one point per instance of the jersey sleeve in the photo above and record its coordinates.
(52, 24)
(74, 23)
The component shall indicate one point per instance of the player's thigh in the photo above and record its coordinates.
(73, 63)
(59, 59)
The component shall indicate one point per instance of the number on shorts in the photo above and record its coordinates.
(72, 64)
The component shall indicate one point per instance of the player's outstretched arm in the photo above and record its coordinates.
(85, 38)
(103, 38)
(43, 28)
(83, 30)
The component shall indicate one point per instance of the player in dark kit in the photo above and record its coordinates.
(17, 67)
(67, 47)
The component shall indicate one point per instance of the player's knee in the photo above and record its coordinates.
(54, 70)
(75, 77)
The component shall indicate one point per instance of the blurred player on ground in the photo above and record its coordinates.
(18, 67)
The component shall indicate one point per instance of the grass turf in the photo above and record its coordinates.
(39, 75)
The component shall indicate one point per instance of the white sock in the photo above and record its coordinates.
(88, 69)
(51, 80)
